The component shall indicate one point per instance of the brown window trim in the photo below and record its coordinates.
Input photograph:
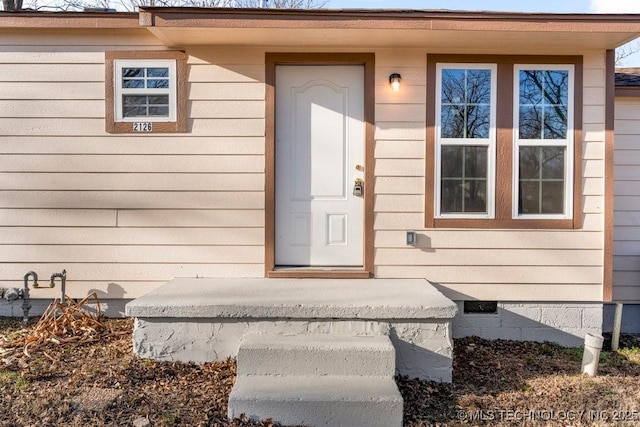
(610, 94)
(271, 60)
(180, 125)
(504, 144)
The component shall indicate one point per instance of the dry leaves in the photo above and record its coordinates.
(62, 323)
(96, 380)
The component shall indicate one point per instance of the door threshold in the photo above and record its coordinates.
(319, 273)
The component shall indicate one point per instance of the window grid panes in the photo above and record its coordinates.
(466, 103)
(464, 179)
(145, 105)
(543, 104)
(541, 181)
(465, 140)
(145, 78)
(544, 145)
(146, 90)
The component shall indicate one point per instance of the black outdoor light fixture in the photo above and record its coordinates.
(394, 81)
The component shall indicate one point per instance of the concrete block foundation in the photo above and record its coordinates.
(108, 307)
(563, 323)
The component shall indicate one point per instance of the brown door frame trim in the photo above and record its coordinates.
(271, 60)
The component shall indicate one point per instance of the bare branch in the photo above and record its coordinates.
(132, 5)
(626, 51)
(284, 4)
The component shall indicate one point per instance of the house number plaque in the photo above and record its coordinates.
(143, 127)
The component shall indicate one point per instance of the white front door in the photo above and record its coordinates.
(320, 136)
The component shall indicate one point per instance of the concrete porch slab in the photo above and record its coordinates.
(299, 298)
(201, 320)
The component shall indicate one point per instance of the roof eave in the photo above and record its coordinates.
(71, 20)
(166, 22)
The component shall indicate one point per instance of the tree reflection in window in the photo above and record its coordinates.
(465, 139)
(543, 98)
(465, 103)
(543, 104)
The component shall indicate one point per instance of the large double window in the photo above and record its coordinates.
(502, 142)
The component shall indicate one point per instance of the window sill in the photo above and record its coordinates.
(536, 224)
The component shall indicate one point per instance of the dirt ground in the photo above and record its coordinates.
(495, 383)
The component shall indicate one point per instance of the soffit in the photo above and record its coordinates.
(485, 32)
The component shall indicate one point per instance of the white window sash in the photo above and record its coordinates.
(567, 143)
(489, 142)
(119, 91)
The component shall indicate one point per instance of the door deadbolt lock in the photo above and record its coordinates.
(358, 187)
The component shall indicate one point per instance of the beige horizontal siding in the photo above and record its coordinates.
(84, 276)
(192, 254)
(399, 203)
(227, 91)
(186, 218)
(95, 127)
(399, 167)
(68, 72)
(58, 217)
(592, 151)
(399, 185)
(226, 73)
(73, 235)
(116, 181)
(481, 257)
(626, 237)
(525, 265)
(79, 108)
(496, 274)
(147, 200)
(47, 91)
(402, 112)
(125, 213)
(35, 58)
(95, 109)
(133, 144)
(434, 239)
(131, 163)
(412, 149)
(410, 94)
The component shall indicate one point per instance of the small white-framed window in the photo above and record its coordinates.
(543, 141)
(145, 90)
(465, 140)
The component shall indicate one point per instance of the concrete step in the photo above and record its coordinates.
(316, 354)
(349, 401)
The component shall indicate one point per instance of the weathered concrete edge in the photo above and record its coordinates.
(285, 312)
(213, 298)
